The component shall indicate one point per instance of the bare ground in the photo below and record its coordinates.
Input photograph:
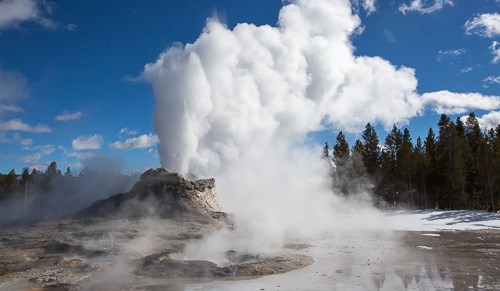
(97, 254)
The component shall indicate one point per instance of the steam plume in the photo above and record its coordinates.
(252, 86)
(238, 104)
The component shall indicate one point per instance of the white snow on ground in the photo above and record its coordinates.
(425, 247)
(431, 234)
(436, 220)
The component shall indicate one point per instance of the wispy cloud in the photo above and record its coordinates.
(15, 138)
(486, 25)
(127, 131)
(425, 7)
(455, 103)
(31, 159)
(495, 51)
(43, 149)
(15, 12)
(80, 155)
(10, 108)
(492, 80)
(466, 70)
(71, 27)
(93, 142)
(140, 142)
(19, 125)
(450, 54)
(40, 152)
(368, 5)
(26, 142)
(13, 85)
(66, 116)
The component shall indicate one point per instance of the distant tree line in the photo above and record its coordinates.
(456, 168)
(51, 193)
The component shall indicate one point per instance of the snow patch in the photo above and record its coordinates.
(424, 247)
(437, 220)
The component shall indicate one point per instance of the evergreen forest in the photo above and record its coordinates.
(457, 167)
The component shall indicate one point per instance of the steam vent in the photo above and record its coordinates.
(161, 193)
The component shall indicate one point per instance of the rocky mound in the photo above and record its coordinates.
(161, 193)
(241, 265)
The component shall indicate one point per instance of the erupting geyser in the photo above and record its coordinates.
(238, 104)
(233, 91)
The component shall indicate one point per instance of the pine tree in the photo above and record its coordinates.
(341, 150)
(371, 153)
(461, 162)
(496, 167)
(326, 151)
(474, 185)
(473, 132)
(10, 184)
(52, 169)
(431, 175)
(357, 158)
(419, 160)
(405, 167)
(25, 176)
(343, 165)
(445, 152)
(486, 170)
(390, 175)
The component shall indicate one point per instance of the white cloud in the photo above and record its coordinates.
(71, 27)
(15, 12)
(19, 125)
(127, 131)
(80, 155)
(450, 54)
(140, 142)
(66, 116)
(368, 5)
(26, 142)
(425, 6)
(487, 25)
(41, 151)
(93, 142)
(492, 80)
(455, 103)
(466, 70)
(495, 51)
(31, 159)
(15, 138)
(45, 149)
(10, 108)
(489, 120)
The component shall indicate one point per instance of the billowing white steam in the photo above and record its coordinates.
(252, 87)
(238, 104)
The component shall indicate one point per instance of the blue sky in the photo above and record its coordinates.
(69, 69)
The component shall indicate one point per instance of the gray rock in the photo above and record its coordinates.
(161, 193)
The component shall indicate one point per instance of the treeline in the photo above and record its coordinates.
(456, 168)
(51, 193)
